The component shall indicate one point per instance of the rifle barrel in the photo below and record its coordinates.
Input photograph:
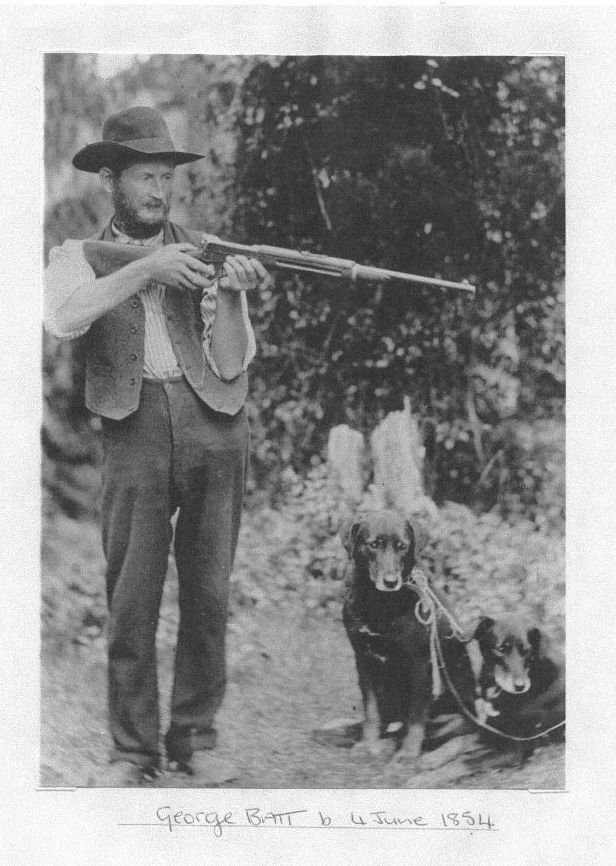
(365, 272)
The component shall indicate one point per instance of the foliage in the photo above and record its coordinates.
(490, 566)
(73, 601)
(526, 471)
(449, 166)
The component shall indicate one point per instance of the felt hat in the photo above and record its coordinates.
(133, 134)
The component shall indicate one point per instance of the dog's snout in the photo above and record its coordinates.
(391, 580)
(516, 683)
(387, 581)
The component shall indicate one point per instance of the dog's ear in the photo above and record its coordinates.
(350, 532)
(412, 534)
(418, 535)
(483, 633)
(534, 639)
(418, 532)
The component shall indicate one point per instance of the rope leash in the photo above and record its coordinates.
(419, 580)
(426, 616)
(425, 611)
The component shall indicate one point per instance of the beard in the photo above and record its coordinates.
(127, 217)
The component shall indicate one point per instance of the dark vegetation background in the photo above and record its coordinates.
(439, 166)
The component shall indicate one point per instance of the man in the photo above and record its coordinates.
(168, 345)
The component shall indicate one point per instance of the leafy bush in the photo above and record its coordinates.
(448, 166)
(488, 565)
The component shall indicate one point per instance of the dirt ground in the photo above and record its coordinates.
(290, 670)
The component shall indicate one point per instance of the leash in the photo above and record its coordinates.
(425, 611)
(420, 581)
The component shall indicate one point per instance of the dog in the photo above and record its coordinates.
(391, 646)
(507, 677)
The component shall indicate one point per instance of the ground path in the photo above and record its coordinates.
(289, 673)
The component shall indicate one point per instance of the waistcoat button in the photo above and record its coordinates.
(134, 302)
(133, 356)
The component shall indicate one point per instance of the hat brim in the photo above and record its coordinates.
(103, 154)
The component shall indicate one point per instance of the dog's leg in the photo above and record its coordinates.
(371, 745)
(371, 729)
(372, 722)
(419, 702)
(410, 749)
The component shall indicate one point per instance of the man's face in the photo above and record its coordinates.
(141, 197)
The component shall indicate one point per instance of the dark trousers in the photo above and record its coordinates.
(172, 453)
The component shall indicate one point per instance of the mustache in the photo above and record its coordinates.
(127, 214)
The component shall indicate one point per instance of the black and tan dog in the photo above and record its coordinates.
(392, 649)
(506, 676)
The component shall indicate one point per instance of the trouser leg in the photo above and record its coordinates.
(210, 478)
(136, 511)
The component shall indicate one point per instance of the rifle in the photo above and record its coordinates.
(105, 257)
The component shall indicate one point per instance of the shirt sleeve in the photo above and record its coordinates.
(66, 272)
(208, 312)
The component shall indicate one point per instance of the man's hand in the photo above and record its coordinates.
(243, 274)
(173, 265)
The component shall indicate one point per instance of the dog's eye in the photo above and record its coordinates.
(373, 544)
(401, 546)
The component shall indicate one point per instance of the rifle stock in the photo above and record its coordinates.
(105, 257)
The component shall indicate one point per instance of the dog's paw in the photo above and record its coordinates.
(405, 758)
(410, 750)
(367, 750)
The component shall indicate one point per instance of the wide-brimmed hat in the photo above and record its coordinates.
(132, 134)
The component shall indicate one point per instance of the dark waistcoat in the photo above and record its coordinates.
(115, 349)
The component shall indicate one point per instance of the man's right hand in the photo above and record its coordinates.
(173, 265)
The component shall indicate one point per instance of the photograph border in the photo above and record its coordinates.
(544, 827)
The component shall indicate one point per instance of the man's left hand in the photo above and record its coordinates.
(242, 274)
